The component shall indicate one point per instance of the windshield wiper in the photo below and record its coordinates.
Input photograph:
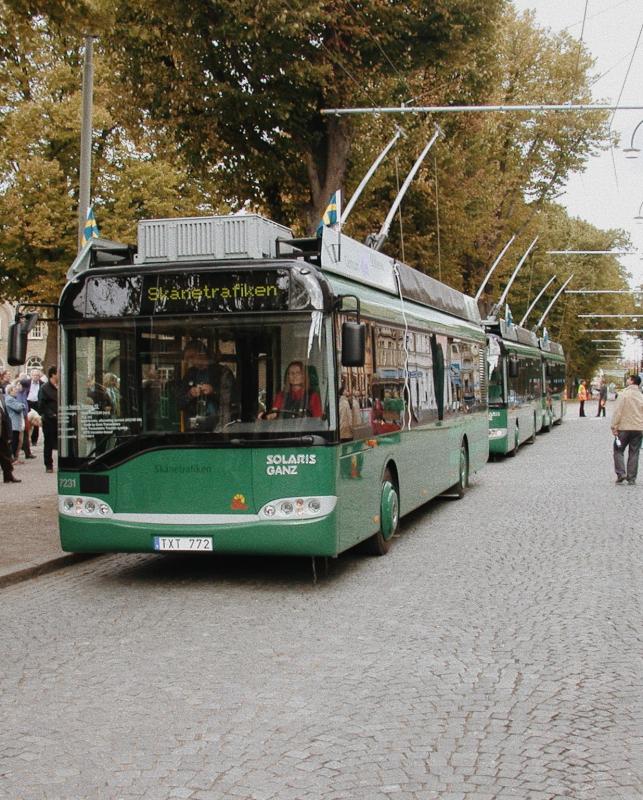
(282, 441)
(103, 460)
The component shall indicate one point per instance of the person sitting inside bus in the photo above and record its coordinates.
(200, 389)
(296, 399)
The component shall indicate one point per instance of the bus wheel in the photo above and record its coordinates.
(463, 474)
(514, 449)
(380, 543)
(532, 438)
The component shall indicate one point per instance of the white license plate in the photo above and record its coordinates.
(192, 544)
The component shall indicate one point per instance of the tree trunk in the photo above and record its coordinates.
(327, 177)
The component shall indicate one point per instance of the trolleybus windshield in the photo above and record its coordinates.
(495, 368)
(140, 383)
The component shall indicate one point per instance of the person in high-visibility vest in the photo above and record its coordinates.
(582, 396)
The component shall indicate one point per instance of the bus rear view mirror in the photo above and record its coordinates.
(18, 332)
(514, 367)
(353, 344)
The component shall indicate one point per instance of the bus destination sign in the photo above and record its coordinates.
(215, 292)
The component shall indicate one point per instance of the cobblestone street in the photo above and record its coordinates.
(496, 652)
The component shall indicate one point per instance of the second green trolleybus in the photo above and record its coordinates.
(515, 387)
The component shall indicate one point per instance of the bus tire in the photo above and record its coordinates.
(380, 543)
(463, 472)
(532, 438)
(514, 449)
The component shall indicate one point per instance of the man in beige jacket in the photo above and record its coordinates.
(627, 427)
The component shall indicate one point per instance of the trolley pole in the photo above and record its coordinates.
(492, 268)
(503, 296)
(551, 305)
(538, 296)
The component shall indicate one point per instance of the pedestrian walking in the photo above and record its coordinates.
(48, 404)
(16, 413)
(23, 391)
(582, 396)
(627, 427)
(602, 399)
(6, 460)
(32, 399)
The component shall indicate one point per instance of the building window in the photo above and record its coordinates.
(33, 363)
(38, 331)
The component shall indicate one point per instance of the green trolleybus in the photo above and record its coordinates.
(554, 382)
(225, 387)
(515, 387)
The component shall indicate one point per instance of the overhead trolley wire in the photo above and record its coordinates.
(596, 14)
(580, 41)
(620, 94)
(627, 74)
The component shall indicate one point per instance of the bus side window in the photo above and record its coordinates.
(437, 348)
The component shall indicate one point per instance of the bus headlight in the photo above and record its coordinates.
(298, 507)
(72, 506)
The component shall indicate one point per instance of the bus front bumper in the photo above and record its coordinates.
(309, 537)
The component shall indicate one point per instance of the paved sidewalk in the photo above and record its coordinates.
(30, 543)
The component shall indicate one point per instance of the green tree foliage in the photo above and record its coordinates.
(134, 175)
(37, 147)
(241, 84)
(558, 232)
(213, 105)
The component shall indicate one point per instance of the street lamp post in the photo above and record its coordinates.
(631, 151)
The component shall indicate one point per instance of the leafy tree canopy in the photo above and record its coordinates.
(203, 106)
(241, 84)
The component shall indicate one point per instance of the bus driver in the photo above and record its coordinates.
(201, 386)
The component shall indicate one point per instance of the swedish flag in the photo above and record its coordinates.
(332, 213)
(91, 228)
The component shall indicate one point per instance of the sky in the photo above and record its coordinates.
(609, 193)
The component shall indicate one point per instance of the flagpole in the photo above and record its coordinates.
(86, 138)
(338, 203)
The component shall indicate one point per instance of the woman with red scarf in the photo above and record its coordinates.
(296, 399)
